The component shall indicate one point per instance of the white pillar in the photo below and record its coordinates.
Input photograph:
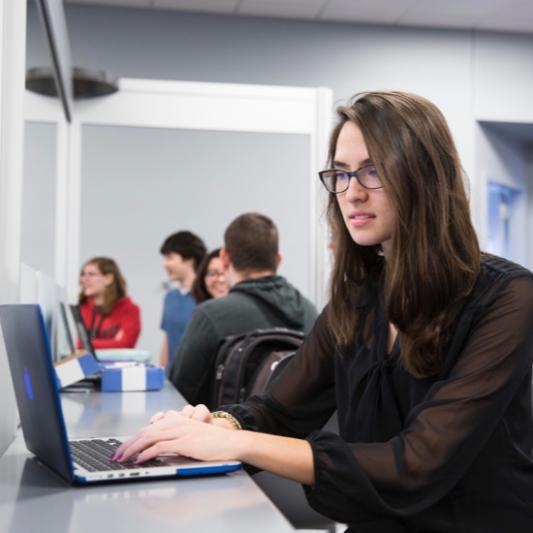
(12, 69)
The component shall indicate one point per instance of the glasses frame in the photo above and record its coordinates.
(212, 275)
(91, 275)
(352, 174)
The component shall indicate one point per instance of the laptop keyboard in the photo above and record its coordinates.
(95, 456)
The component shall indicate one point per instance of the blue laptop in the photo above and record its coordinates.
(79, 461)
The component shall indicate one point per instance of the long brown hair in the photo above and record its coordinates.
(435, 258)
(115, 291)
(199, 288)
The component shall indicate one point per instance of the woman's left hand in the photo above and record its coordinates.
(197, 412)
(179, 434)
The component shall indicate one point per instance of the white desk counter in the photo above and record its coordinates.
(33, 498)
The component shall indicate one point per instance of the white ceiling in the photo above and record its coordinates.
(499, 15)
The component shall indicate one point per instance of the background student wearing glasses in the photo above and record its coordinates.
(210, 279)
(112, 319)
(425, 349)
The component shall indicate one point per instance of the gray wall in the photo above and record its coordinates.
(39, 197)
(139, 185)
(469, 75)
(346, 58)
(502, 71)
(143, 165)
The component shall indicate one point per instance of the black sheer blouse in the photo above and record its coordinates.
(445, 454)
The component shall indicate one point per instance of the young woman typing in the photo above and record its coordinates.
(425, 351)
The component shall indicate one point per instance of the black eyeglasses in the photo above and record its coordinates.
(337, 181)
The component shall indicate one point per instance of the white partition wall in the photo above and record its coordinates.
(120, 150)
(139, 185)
(47, 137)
(12, 60)
(39, 196)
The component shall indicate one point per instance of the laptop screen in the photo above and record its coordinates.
(35, 385)
(83, 333)
(66, 327)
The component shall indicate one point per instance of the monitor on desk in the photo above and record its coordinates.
(81, 328)
(65, 331)
(38, 288)
(48, 297)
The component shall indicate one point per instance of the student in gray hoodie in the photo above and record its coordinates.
(258, 298)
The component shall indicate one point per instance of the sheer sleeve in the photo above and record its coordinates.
(442, 435)
(302, 398)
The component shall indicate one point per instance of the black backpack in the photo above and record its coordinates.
(246, 363)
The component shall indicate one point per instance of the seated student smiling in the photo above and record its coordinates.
(112, 319)
(210, 281)
(424, 349)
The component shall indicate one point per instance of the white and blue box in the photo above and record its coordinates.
(75, 368)
(132, 378)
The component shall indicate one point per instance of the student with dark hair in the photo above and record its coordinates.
(251, 241)
(258, 298)
(182, 253)
(111, 317)
(425, 350)
(210, 280)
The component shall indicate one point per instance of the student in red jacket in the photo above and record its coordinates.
(112, 319)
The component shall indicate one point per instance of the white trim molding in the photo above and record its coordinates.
(198, 106)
